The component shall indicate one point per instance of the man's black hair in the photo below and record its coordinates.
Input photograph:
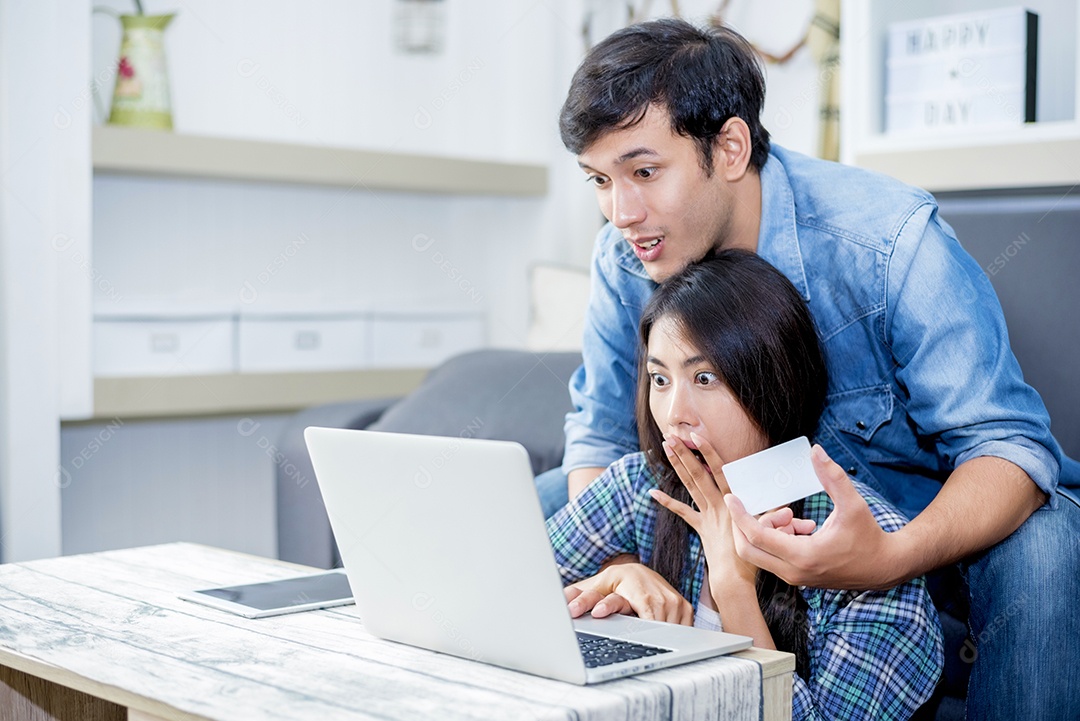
(703, 77)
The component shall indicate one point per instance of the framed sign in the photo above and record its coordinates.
(961, 71)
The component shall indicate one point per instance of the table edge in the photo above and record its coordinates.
(114, 694)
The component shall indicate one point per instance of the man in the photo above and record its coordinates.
(926, 400)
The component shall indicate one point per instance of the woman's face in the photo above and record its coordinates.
(686, 395)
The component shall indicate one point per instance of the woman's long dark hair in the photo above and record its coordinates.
(756, 332)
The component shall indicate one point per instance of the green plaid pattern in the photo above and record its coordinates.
(873, 654)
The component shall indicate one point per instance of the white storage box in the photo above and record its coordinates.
(423, 340)
(282, 343)
(153, 345)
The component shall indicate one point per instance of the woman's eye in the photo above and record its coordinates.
(658, 380)
(705, 378)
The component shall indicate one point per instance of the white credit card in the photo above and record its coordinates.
(773, 477)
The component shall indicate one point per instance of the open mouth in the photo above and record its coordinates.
(648, 250)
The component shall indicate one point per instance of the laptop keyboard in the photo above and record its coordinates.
(604, 651)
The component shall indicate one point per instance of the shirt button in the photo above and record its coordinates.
(860, 425)
(852, 471)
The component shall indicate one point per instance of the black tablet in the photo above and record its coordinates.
(273, 598)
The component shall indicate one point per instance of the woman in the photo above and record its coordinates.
(730, 365)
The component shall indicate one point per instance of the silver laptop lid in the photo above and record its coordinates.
(431, 535)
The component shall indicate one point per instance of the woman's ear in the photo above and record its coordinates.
(731, 155)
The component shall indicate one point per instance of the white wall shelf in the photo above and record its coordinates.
(149, 152)
(1045, 153)
(204, 395)
(1032, 156)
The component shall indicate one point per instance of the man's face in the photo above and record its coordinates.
(651, 186)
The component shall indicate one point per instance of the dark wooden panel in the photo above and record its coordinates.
(28, 698)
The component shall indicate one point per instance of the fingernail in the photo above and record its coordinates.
(600, 607)
(696, 439)
(668, 448)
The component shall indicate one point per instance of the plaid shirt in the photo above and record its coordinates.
(873, 654)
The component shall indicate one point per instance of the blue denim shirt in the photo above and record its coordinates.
(921, 375)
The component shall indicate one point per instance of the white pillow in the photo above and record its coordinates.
(558, 298)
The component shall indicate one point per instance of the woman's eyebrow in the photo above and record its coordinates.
(693, 360)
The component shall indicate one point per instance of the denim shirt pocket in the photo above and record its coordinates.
(860, 412)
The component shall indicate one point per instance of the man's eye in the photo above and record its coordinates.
(597, 180)
(646, 172)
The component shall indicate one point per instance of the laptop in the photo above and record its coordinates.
(444, 544)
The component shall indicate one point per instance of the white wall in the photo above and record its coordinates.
(205, 480)
(44, 216)
(328, 74)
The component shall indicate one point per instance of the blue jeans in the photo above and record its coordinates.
(1024, 620)
(551, 487)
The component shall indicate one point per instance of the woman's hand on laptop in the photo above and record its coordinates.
(629, 587)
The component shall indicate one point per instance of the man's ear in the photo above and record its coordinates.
(731, 154)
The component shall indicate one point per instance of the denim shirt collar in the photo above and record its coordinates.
(778, 240)
(627, 259)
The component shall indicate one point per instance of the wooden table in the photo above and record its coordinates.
(103, 636)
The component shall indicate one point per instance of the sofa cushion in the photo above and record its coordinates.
(505, 395)
(558, 297)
